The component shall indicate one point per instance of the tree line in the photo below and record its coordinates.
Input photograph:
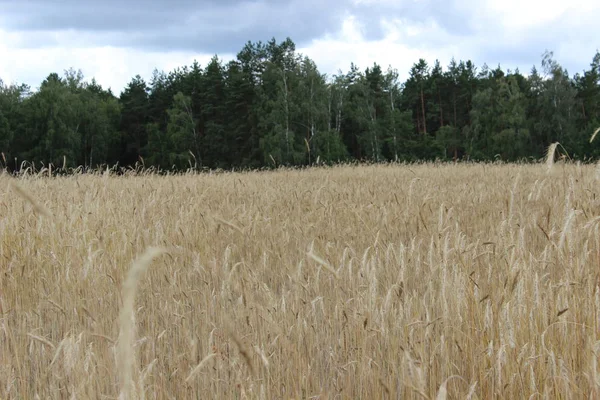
(271, 106)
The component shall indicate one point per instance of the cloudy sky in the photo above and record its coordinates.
(113, 40)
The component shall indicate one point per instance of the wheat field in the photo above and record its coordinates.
(475, 281)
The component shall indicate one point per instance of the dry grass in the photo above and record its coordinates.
(422, 281)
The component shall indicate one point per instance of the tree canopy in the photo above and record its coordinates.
(271, 106)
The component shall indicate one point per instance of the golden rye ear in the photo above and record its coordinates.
(594, 135)
(550, 155)
(125, 344)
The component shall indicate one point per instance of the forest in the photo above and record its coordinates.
(271, 106)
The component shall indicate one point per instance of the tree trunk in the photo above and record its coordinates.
(423, 111)
(441, 109)
(455, 119)
(338, 121)
(392, 107)
(329, 108)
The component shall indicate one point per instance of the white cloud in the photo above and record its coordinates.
(112, 67)
(397, 48)
(512, 33)
(525, 14)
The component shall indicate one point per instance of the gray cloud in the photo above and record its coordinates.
(449, 15)
(224, 26)
(208, 26)
(572, 47)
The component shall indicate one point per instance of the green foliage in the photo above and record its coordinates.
(282, 107)
(182, 141)
(271, 106)
(11, 116)
(448, 137)
(499, 124)
(241, 120)
(329, 148)
(160, 148)
(134, 118)
(215, 139)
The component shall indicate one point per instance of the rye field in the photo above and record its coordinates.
(425, 281)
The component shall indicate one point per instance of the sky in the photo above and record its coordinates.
(114, 40)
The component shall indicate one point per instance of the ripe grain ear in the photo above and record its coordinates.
(594, 135)
(550, 155)
(125, 349)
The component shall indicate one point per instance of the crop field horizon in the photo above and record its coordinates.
(429, 281)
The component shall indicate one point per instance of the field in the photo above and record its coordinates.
(415, 281)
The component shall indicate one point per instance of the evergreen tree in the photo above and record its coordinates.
(99, 118)
(355, 120)
(415, 89)
(587, 104)
(183, 143)
(281, 139)
(241, 125)
(12, 111)
(398, 124)
(134, 118)
(215, 140)
(272, 105)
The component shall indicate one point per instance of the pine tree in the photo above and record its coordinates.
(134, 118)
(215, 143)
(182, 139)
(242, 136)
(279, 107)
(12, 109)
(415, 88)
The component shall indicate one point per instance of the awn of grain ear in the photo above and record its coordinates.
(324, 263)
(41, 340)
(566, 229)
(595, 373)
(57, 352)
(36, 206)
(472, 391)
(199, 366)
(125, 343)
(262, 355)
(229, 224)
(147, 371)
(442, 392)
